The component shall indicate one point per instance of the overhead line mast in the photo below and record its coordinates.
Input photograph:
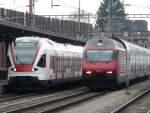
(31, 6)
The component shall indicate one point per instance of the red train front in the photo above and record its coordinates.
(100, 63)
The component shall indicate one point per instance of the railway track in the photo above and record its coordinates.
(14, 96)
(9, 106)
(51, 103)
(6, 95)
(10, 97)
(61, 103)
(129, 103)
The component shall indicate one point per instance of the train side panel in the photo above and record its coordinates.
(137, 61)
(64, 66)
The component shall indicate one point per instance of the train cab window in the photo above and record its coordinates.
(42, 61)
(99, 55)
(24, 52)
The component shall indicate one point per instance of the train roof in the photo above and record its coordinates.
(104, 43)
(27, 39)
(113, 42)
(53, 44)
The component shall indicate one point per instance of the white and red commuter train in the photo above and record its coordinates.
(110, 61)
(3, 70)
(39, 62)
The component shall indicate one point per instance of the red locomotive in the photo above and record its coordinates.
(109, 62)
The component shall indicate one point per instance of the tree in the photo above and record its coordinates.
(111, 14)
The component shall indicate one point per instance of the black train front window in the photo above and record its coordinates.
(99, 55)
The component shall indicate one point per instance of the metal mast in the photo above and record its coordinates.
(31, 6)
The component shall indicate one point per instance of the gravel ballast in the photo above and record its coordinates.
(108, 102)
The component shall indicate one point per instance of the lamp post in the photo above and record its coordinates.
(31, 6)
(79, 11)
(108, 24)
(78, 35)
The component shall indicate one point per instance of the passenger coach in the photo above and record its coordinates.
(110, 61)
(37, 62)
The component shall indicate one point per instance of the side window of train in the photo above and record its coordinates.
(42, 61)
(115, 54)
(51, 62)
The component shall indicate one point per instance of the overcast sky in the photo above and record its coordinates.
(43, 7)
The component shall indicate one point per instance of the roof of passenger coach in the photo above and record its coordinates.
(104, 43)
(27, 39)
(66, 47)
(130, 45)
(52, 44)
(74, 48)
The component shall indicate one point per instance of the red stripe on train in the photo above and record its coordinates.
(23, 67)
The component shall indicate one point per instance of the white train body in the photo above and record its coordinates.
(137, 61)
(40, 62)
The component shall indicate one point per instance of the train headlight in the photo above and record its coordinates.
(88, 72)
(34, 69)
(13, 69)
(109, 72)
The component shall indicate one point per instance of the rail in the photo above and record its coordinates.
(125, 105)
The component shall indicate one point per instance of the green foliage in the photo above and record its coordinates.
(110, 9)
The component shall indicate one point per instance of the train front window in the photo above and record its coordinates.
(99, 55)
(24, 52)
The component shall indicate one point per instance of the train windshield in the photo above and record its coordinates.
(99, 55)
(24, 52)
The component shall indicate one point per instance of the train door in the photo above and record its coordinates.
(52, 68)
(59, 61)
(122, 62)
(133, 63)
(128, 66)
(62, 65)
(137, 63)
